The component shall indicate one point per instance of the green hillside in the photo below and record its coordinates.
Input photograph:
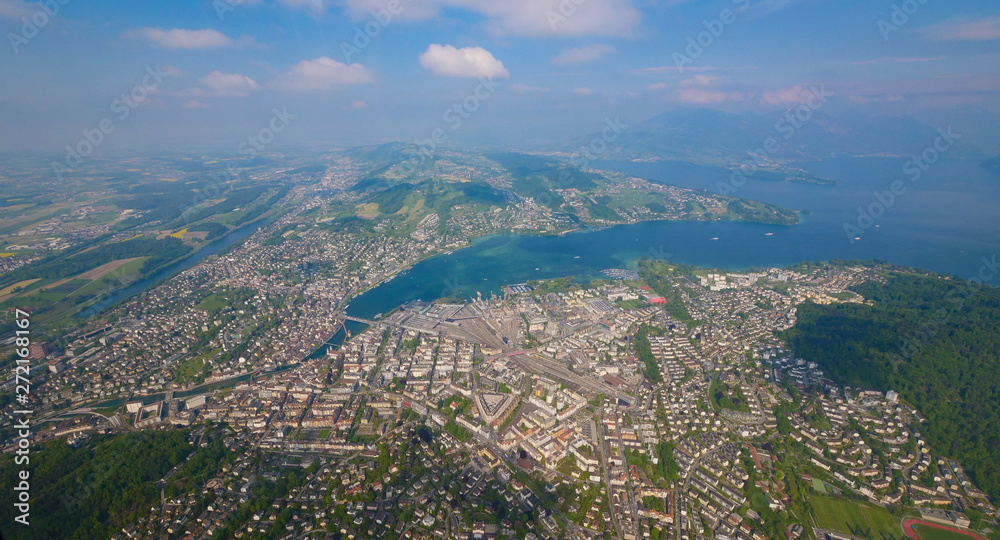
(934, 340)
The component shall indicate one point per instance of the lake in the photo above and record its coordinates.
(946, 222)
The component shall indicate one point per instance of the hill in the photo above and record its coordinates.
(933, 339)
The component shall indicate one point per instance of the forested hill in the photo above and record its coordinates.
(934, 340)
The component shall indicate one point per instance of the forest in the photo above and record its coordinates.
(645, 353)
(935, 340)
(94, 490)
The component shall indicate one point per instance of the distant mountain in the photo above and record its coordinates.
(399, 190)
(721, 138)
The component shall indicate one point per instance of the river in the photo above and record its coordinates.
(166, 272)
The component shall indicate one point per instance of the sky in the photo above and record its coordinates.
(204, 75)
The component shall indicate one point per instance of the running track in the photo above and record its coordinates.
(911, 533)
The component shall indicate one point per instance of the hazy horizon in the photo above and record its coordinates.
(209, 74)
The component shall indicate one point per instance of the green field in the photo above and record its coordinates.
(854, 518)
(933, 533)
(124, 273)
(213, 303)
(188, 370)
(68, 287)
(630, 304)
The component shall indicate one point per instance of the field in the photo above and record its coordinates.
(106, 268)
(69, 295)
(19, 285)
(188, 370)
(854, 518)
(213, 303)
(928, 531)
(630, 304)
(66, 286)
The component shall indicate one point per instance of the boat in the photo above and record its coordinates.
(715, 238)
(769, 234)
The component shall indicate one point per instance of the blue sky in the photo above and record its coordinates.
(558, 67)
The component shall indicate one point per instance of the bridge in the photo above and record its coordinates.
(362, 320)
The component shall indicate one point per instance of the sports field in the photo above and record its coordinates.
(922, 530)
(854, 518)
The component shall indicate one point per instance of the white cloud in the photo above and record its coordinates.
(702, 90)
(900, 60)
(783, 96)
(15, 9)
(193, 104)
(219, 84)
(524, 89)
(179, 38)
(584, 91)
(471, 62)
(760, 9)
(171, 71)
(657, 87)
(316, 6)
(619, 18)
(701, 96)
(321, 74)
(359, 105)
(664, 70)
(966, 29)
(701, 80)
(580, 55)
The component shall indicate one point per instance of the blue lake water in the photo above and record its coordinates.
(946, 222)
